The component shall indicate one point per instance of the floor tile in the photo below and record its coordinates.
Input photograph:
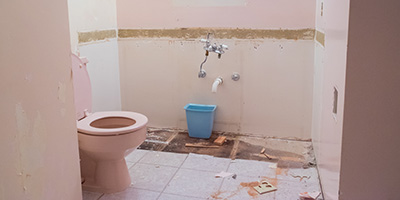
(251, 168)
(206, 163)
(291, 189)
(132, 193)
(151, 177)
(86, 195)
(129, 164)
(136, 155)
(164, 158)
(176, 197)
(193, 183)
(242, 188)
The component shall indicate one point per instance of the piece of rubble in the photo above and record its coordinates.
(265, 187)
(309, 195)
(220, 140)
(225, 174)
(301, 177)
(270, 157)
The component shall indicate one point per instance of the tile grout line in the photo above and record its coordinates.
(134, 164)
(100, 196)
(223, 180)
(172, 176)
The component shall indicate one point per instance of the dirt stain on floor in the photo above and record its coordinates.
(249, 186)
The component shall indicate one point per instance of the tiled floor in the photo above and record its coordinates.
(173, 176)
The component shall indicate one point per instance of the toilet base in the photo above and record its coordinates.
(109, 177)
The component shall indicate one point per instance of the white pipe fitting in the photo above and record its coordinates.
(218, 81)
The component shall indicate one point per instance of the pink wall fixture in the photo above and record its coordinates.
(257, 14)
(371, 128)
(38, 140)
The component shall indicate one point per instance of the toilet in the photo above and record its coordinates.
(105, 138)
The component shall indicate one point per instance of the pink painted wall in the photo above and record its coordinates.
(257, 14)
(38, 140)
(329, 73)
(371, 129)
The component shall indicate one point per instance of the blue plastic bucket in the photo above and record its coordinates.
(200, 119)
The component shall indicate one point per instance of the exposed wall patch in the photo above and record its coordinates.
(320, 37)
(222, 33)
(93, 36)
(29, 141)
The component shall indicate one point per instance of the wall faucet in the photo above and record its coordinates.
(219, 49)
(209, 47)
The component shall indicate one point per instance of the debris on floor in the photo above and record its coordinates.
(273, 166)
(200, 145)
(265, 187)
(309, 195)
(220, 140)
(287, 153)
(301, 177)
(270, 157)
(225, 174)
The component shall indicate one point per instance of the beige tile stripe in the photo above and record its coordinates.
(194, 33)
(93, 36)
(320, 37)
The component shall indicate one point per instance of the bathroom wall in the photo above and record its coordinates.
(93, 29)
(159, 63)
(371, 127)
(38, 140)
(255, 14)
(90, 15)
(329, 73)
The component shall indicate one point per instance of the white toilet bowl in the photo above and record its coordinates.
(104, 138)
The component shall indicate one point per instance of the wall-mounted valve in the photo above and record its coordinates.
(209, 47)
(219, 49)
(235, 76)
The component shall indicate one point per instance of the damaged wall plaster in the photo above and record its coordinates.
(194, 33)
(320, 37)
(92, 36)
(38, 146)
(31, 148)
(223, 33)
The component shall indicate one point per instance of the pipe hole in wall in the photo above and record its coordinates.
(335, 101)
